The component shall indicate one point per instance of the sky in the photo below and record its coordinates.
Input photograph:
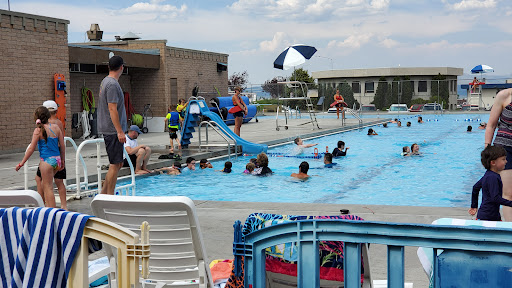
(348, 34)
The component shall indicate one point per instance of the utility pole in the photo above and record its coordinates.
(9, 5)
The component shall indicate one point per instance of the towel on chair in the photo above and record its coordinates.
(39, 246)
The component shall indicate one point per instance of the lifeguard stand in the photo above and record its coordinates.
(299, 87)
(475, 95)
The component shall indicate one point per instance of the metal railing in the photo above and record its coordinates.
(68, 187)
(225, 135)
(353, 113)
(88, 186)
(468, 241)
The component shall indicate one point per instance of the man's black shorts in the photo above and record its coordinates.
(172, 133)
(61, 174)
(114, 149)
(133, 158)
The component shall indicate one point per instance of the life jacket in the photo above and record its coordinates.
(174, 119)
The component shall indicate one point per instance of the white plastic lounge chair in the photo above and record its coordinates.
(20, 198)
(177, 249)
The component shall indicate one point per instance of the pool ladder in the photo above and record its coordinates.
(353, 113)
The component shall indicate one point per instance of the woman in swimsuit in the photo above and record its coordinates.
(340, 103)
(240, 108)
(50, 143)
(500, 116)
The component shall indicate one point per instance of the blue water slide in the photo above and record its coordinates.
(199, 107)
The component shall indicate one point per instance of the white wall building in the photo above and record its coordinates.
(364, 82)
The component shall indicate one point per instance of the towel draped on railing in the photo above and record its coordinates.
(38, 246)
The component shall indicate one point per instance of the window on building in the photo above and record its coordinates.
(356, 87)
(422, 86)
(369, 87)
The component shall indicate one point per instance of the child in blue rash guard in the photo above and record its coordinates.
(337, 152)
(494, 159)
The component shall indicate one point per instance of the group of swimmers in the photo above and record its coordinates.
(482, 126)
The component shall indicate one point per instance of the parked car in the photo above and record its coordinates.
(432, 107)
(467, 107)
(397, 108)
(416, 108)
(367, 108)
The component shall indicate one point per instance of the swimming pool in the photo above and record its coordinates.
(372, 173)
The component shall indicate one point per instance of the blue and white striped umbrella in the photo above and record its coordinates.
(482, 69)
(293, 56)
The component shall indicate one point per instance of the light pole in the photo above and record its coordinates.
(9, 5)
(332, 67)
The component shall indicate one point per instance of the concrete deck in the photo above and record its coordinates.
(216, 218)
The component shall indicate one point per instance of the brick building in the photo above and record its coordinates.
(33, 48)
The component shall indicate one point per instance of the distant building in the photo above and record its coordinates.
(364, 82)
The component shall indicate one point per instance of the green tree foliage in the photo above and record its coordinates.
(301, 75)
(380, 95)
(407, 91)
(348, 94)
(394, 91)
(389, 95)
(439, 87)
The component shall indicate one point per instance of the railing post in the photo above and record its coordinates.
(396, 266)
(352, 265)
(98, 166)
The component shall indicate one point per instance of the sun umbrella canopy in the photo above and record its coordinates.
(482, 69)
(293, 56)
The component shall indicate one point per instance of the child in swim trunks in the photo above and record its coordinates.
(50, 143)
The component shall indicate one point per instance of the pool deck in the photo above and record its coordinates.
(216, 217)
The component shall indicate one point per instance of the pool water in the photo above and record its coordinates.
(372, 173)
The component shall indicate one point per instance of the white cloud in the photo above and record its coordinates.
(279, 41)
(445, 45)
(353, 41)
(389, 43)
(155, 6)
(307, 10)
(472, 4)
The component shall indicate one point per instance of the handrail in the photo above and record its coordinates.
(307, 234)
(224, 135)
(353, 112)
(73, 143)
(98, 141)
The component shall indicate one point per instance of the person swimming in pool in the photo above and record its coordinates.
(303, 171)
(371, 132)
(406, 151)
(408, 124)
(420, 119)
(328, 161)
(470, 128)
(398, 123)
(415, 149)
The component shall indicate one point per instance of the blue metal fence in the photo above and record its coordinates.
(485, 253)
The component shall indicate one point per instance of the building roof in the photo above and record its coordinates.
(394, 71)
(88, 54)
(490, 86)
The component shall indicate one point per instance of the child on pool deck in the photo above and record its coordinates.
(52, 152)
(337, 152)
(494, 159)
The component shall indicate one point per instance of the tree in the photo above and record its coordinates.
(302, 76)
(271, 86)
(407, 90)
(395, 88)
(348, 94)
(238, 79)
(380, 95)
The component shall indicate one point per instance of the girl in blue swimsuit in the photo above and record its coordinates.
(50, 143)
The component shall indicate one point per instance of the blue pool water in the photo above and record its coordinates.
(372, 173)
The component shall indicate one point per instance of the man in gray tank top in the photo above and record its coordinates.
(112, 121)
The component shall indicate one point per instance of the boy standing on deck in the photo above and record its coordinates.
(494, 159)
(173, 122)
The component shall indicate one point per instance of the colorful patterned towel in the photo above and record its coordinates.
(283, 258)
(38, 246)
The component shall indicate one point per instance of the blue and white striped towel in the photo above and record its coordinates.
(38, 246)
